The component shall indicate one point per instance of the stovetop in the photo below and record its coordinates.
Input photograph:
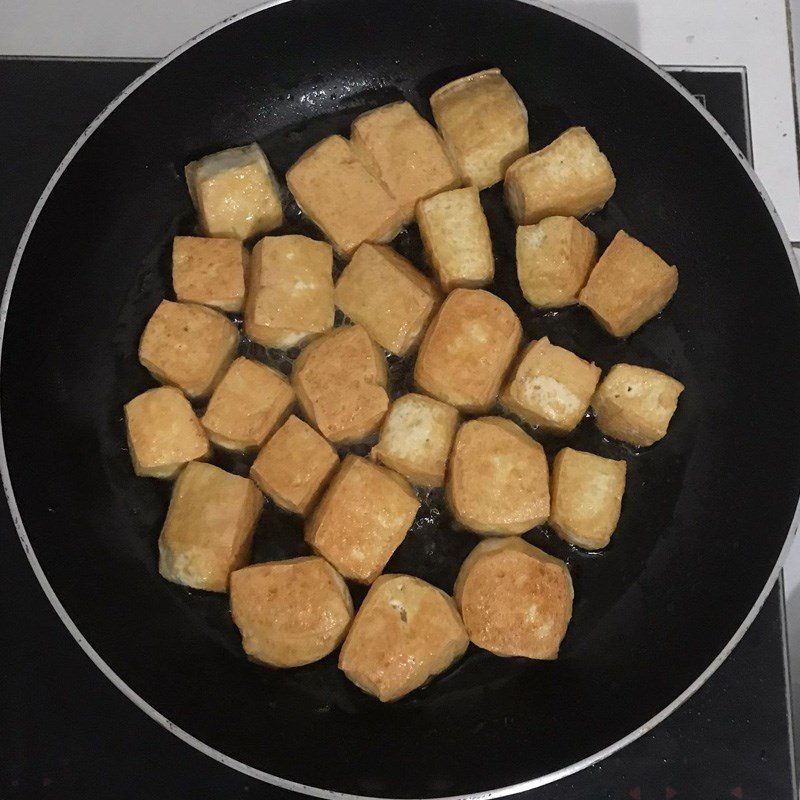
(66, 732)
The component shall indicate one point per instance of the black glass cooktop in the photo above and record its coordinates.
(66, 732)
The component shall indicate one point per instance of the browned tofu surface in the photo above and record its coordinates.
(456, 238)
(290, 613)
(336, 190)
(416, 438)
(209, 527)
(362, 519)
(467, 350)
(554, 259)
(340, 381)
(294, 466)
(188, 346)
(515, 599)
(164, 433)
(249, 403)
(405, 632)
(235, 193)
(387, 295)
(570, 177)
(405, 152)
(209, 271)
(635, 404)
(550, 387)
(290, 291)
(586, 497)
(629, 285)
(484, 124)
(497, 483)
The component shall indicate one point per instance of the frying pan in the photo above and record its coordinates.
(708, 512)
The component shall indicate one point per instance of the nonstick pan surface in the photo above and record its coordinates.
(708, 510)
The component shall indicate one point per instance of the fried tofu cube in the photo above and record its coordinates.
(467, 350)
(209, 527)
(250, 402)
(294, 466)
(164, 433)
(292, 612)
(289, 292)
(586, 497)
(336, 190)
(550, 387)
(635, 404)
(629, 285)
(362, 519)
(568, 178)
(340, 380)
(554, 259)
(386, 294)
(497, 484)
(235, 193)
(515, 599)
(484, 124)
(416, 438)
(405, 152)
(188, 346)
(405, 632)
(456, 238)
(209, 272)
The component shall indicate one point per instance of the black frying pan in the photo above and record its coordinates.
(708, 510)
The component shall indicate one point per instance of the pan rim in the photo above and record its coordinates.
(153, 713)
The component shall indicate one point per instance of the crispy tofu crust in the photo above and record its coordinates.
(292, 612)
(209, 527)
(290, 291)
(388, 296)
(484, 124)
(188, 346)
(209, 272)
(294, 466)
(405, 632)
(362, 518)
(515, 599)
(629, 286)
(467, 350)
(497, 484)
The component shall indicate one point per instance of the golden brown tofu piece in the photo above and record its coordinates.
(209, 527)
(515, 599)
(635, 404)
(362, 518)
(416, 438)
(292, 612)
(456, 238)
(497, 484)
(250, 402)
(188, 346)
(209, 271)
(550, 387)
(289, 291)
(405, 152)
(295, 466)
(340, 381)
(568, 178)
(484, 124)
(164, 433)
(235, 193)
(467, 350)
(586, 497)
(554, 259)
(386, 294)
(629, 285)
(405, 632)
(334, 188)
